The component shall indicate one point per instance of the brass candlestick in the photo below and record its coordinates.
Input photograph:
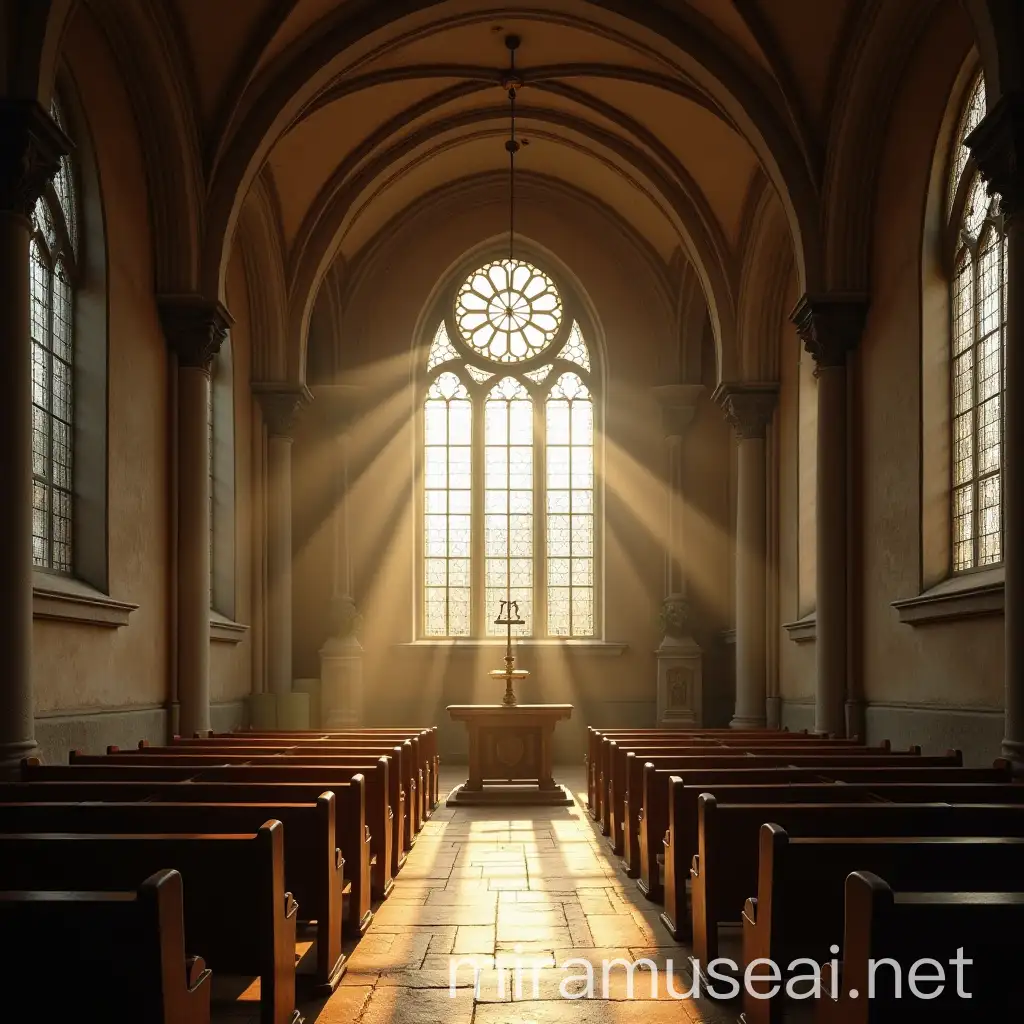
(508, 616)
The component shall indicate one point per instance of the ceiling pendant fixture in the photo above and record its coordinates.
(511, 82)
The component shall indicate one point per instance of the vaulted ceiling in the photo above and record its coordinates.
(675, 116)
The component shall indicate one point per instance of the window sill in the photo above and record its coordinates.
(961, 597)
(595, 648)
(804, 630)
(225, 631)
(68, 600)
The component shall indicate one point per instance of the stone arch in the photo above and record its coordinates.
(735, 86)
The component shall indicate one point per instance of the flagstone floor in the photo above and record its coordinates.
(534, 888)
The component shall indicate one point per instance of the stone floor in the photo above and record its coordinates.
(527, 889)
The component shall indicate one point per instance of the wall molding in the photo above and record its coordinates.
(960, 597)
(64, 599)
(226, 631)
(804, 630)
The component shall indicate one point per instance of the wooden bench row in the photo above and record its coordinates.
(108, 823)
(768, 830)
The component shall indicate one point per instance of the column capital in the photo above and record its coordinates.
(830, 325)
(30, 155)
(678, 406)
(195, 328)
(281, 404)
(997, 145)
(749, 407)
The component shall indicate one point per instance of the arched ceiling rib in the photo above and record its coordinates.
(663, 113)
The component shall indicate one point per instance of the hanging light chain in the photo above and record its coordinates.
(512, 146)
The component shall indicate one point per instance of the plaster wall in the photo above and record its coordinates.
(415, 681)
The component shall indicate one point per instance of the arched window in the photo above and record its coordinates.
(509, 496)
(53, 268)
(978, 312)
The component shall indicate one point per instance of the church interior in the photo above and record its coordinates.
(545, 475)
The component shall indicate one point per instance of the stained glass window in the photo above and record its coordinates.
(51, 293)
(510, 507)
(978, 308)
(508, 501)
(448, 477)
(570, 508)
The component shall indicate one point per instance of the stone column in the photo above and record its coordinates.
(195, 328)
(830, 327)
(998, 147)
(341, 657)
(31, 146)
(749, 408)
(281, 404)
(680, 676)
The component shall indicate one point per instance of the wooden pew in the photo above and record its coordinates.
(428, 740)
(681, 838)
(653, 818)
(724, 871)
(401, 755)
(626, 759)
(237, 910)
(427, 736)
(595, 735)
(907, 927)
(423, 766)
(350, 813)
(313, 862)
(384, 800)
(798, 910)
(213, 766)
(115, 955)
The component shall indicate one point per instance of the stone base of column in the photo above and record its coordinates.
(773, 712)
(10, 758)
(680, 682)
(1014, 753)
(341, 683)
(174, 718)
(744, 722)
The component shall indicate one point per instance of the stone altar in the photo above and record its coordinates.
(510, 754)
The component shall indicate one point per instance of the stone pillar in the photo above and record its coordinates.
(680, 675)
(998, 148)
(341, 657)
(749, 408)
(195, 328)
(31, 146)
(830, 327)
(281, 405)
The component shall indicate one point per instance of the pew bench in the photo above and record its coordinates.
(681, 838)
(114, 955)
(907, 927)
(724, 870)
(652, 823)
(313, 863)
(798, 910)
(352, 833)
(237, 910)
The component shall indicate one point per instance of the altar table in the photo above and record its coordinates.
(510, 754)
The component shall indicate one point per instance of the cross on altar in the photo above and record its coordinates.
(508, 616)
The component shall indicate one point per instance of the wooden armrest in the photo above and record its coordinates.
(195, 970)
(339, 860)
(695, 864)
(750, 909)
(291, 906)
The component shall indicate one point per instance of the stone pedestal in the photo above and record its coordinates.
(680, 683)
(341, 683)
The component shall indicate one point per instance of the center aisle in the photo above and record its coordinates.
(533, 889)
